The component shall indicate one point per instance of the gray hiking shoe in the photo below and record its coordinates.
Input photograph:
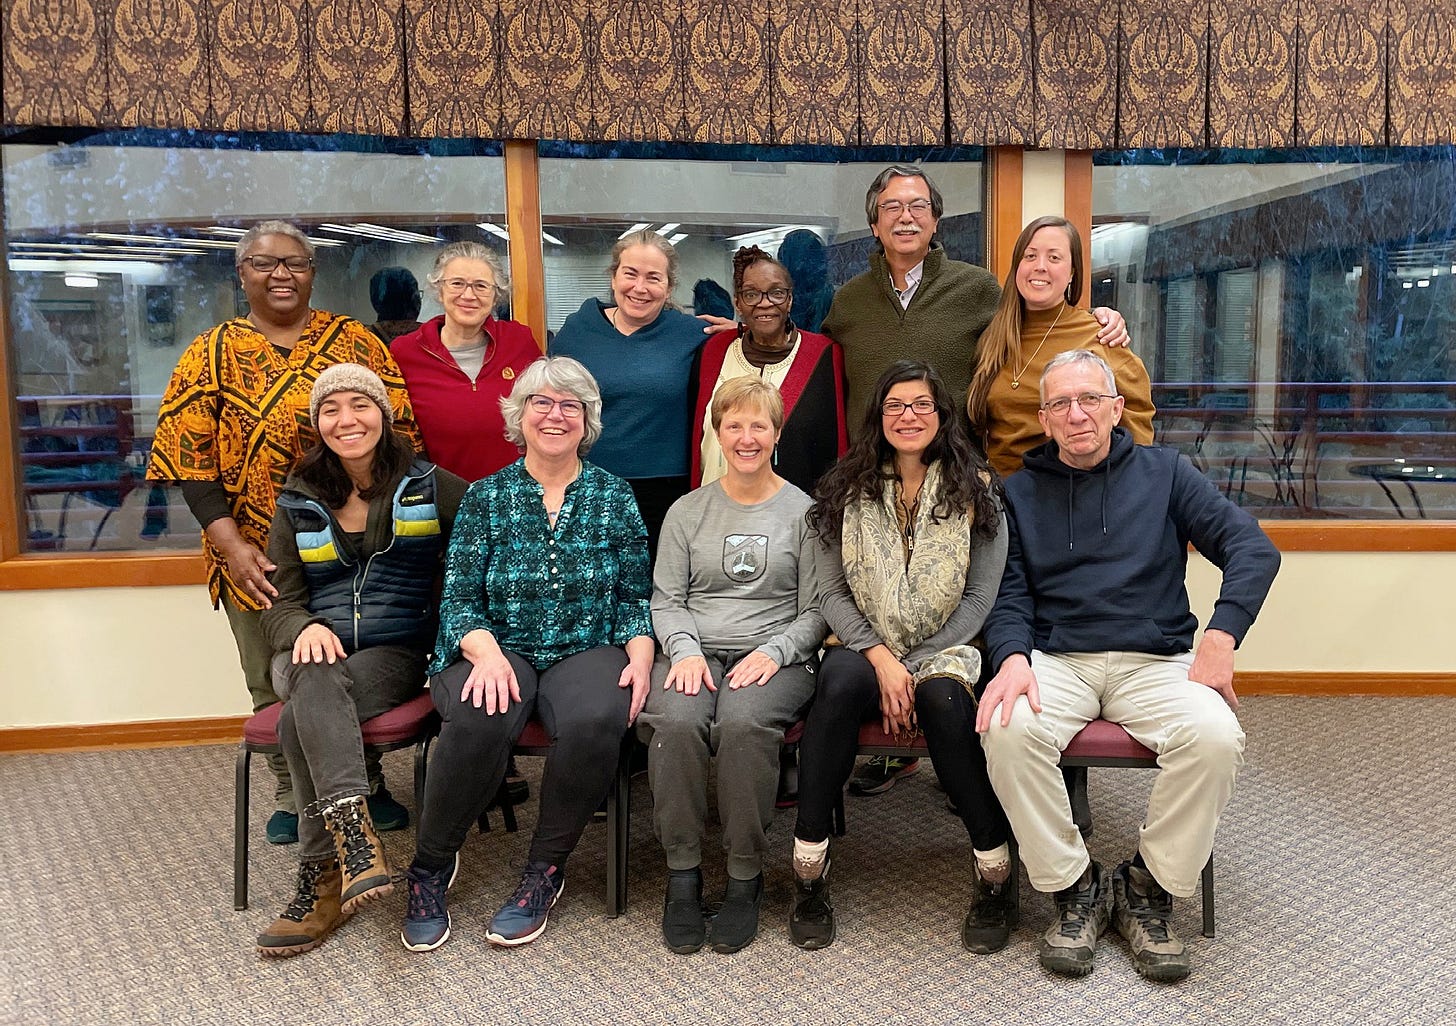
(1069, 947)
(1141, 910)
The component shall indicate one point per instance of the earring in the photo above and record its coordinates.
(776, 455)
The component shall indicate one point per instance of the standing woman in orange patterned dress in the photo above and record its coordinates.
(234, 418)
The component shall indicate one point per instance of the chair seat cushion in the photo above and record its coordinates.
(1102, 739)
(402, 723)
(872, 735)
(534, 736)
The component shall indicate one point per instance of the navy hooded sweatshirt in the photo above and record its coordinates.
(1097, 558)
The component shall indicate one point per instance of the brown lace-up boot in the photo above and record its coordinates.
(361, 856)
(310, 917)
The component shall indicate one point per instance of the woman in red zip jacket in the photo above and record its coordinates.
(460, 365)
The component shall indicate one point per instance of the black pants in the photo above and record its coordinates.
(654, 496)
(847, 695)
(578, 702)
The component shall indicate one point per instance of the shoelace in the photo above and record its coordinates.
(307, 896)
(358, 852)
(536, 892)
(1075, 914)
(426, 895)
(1151, 919)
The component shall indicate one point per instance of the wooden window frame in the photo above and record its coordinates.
(21, 571)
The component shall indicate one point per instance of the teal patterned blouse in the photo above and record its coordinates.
(545, 594)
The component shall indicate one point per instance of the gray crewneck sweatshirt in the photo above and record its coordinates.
(736, 578)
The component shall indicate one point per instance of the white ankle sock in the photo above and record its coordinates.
(994, 865)
(809, 858)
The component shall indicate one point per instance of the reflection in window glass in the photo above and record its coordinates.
(120, 255)
(1298, 320)
(709, 208)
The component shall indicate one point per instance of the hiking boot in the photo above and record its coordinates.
(811, 921)
(993, 913)
(523, 917)
(736, 923)
(427, 920)
(879, 774)
(684, 928)
(310, 917)
(283, 828)
(1069, 947)
(386, 813)
(1141, 910)
(361, 856)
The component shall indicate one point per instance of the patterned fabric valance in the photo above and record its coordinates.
(1075, 74)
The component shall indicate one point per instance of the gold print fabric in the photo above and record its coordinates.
(1071, 74)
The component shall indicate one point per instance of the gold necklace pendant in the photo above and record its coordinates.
(1015, 383)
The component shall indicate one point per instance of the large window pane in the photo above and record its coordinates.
(1298, 319)
(119, 254)
(709, 208)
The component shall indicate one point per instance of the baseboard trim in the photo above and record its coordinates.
(1305, 682)
(210, 730)
(214, 730)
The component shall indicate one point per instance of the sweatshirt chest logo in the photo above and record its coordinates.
(745, 556)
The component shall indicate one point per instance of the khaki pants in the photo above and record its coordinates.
(1197, 737)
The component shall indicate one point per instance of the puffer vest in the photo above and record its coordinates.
(387, 598)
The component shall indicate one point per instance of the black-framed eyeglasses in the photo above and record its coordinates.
(264, 264)
(776, 296)
(455, 286)
(917, 207)
(895, 408)
(1090, 402)
(571, 409)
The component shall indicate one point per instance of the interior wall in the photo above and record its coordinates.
(113, 655)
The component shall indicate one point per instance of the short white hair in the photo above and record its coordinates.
(469, 250)
(560, 374)
(1075, 356)
(262, 228)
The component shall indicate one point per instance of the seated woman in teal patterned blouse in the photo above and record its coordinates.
(544, 612)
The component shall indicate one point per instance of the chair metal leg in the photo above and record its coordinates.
(837, 822)
(240, 829)
(1207, 888)
(619, 802)
(507, 807)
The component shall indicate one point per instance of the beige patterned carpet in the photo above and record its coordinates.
(1336, 885)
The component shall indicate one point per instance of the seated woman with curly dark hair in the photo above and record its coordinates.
(911, 545)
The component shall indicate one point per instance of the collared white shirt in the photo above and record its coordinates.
(912, 282)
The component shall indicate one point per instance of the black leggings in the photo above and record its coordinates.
(578, 702)
(848, 694)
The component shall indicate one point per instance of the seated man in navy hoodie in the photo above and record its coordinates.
(1092, 620)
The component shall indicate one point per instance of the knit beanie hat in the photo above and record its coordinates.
(349, 377)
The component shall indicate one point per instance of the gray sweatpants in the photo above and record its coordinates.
(744, 728)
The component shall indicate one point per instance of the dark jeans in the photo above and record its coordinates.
(324, 703)
(847, 695)
(578, 702)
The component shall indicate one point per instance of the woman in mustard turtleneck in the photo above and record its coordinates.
(1036, 320)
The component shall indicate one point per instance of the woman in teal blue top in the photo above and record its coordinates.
(545, 612)
(641, 351)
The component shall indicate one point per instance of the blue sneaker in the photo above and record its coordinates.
(523, 918)
(427, 920)
(283, 828)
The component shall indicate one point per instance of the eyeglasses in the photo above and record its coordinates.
(917, 207)
(266, 264)
(895, 408)
(455, 286)
(542, 404)
(1090, 402)
(752, 297)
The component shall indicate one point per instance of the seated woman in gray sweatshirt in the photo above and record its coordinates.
(734, 608)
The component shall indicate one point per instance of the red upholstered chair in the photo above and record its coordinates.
(1102, 743)
(413, 723)
(535, 741)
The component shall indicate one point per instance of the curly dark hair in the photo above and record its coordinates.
(321, 470)
(966, 480)
(746, 256)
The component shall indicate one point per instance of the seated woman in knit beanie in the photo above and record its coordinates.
(349, 645)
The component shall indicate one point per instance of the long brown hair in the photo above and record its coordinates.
(1002, 338)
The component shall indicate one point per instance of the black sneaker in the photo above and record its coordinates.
(736, 923)
(879, 774)
(811, 922)
(684, 927)
(1069, 947)
(1141, 910)
(993, 913)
